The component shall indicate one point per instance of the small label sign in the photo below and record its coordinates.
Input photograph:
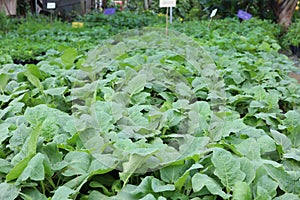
(167, 3)
(51, 5)
(244, 15)
(109, 11)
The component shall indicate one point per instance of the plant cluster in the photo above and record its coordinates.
(201, 9)
(292, 36)
(33, 36)
(143, 116)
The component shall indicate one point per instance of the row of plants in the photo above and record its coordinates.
(33, 36)
(146, 116)
(291, 39)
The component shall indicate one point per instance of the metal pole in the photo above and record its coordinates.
(171, 15)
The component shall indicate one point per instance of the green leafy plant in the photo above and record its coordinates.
(149, 116)
(291, 37)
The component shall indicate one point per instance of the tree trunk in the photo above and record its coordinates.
(104, 4)
(284, 10)
(146, 5)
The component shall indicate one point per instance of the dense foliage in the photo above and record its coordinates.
(146, 116)
(34, 36)
(200, 9)
(292, 37)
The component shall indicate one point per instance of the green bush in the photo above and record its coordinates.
(6, 23)
(292, 37)
(200, 9)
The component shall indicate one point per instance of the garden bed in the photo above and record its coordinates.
(203, 113)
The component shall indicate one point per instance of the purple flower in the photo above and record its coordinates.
(109, 11)
(244, 15)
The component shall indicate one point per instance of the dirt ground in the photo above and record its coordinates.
(297, 63)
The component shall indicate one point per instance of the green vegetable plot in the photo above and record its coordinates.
(149, 116)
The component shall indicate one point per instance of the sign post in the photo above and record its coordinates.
(171, 14)
(212, 14)
(51, 6)
(167, 4)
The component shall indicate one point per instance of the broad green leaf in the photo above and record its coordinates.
(262, 194)
(34, 170)
(103, 163)
(5, 98)
(293, 154)
(192, 147)
(227, 168)
(5, 166)
(36, 115)
(34, 81)
(95, 195)
(182, 180)
(99, 166)
(68, 57)
(266, 186)
(266, 143)
(197, 122)
(295, 137)
(4, 78)
(134, 163)
(171, 173)
(4, 133)
(34, 70)
(183, 90)
(17, 170)
(55, 91)
(223, 126)
(77, 182)
(143, 188)
(161, 198)
(241, 191)
(78, 163)
(9, 191)
(140, 148)
(136, 60)
(135, 114)
(104, 117)
(92, 141)
(249, 148)
(32, 194)
(62, 193)
(286, 182)
(201, 180)
(148, 197)
(52, 152)
(287, 196)
(33, 140)
(291, 120)
(136, 84)
(140, 98)
(159, 186)
(248, 168)
(281, 140)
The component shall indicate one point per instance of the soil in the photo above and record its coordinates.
(296, 75)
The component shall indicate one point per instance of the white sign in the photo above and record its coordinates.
(213, 13)
(51, 5)
(167, 3)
